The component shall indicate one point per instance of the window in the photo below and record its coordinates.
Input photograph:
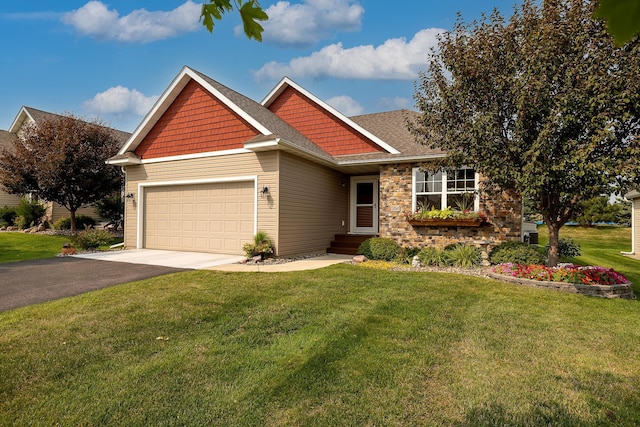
(455, 189)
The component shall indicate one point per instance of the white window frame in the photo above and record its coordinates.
(443, 193)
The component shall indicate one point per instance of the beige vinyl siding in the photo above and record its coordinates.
(7, 199)
(313, 206)
(56, 211)
(262, 165)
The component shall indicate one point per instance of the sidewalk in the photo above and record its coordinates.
(305, 264)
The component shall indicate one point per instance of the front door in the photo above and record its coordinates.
(364, 204)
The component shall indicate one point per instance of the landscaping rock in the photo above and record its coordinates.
(359, 259)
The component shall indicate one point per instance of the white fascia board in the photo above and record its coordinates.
(123, 162)
(282, 85)
(22, 115)
(389, 160)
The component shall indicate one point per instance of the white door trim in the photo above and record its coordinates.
(143, 185)
(355, 180)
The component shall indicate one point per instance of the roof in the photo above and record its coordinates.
(6, 140)
(632, 195)
(39, 116)
(389, 130)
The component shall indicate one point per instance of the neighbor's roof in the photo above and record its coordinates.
(7, 139)
(39, 116)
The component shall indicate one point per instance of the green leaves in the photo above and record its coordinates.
(623, 18)
(250, 12)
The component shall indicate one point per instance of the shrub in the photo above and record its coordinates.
(31, 213)
(567, 247)
(111, 208)
(433, 256)
(8, 215)
(82, 222)
(516, 253)
(465, 256)
(406, 255)
(384, 249)
(365, 248)
(261, 245)
(91, 239)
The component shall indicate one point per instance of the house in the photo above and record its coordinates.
(208, 167)
(634, 197)
(25, 117)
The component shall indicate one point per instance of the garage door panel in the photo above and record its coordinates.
(203, 217)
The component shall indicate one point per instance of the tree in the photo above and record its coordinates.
(62, 159)
(596, 209)
(544, 105)
(250, 12)
(623, 18)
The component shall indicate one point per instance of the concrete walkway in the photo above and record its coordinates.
(305, 264)
(173, 259)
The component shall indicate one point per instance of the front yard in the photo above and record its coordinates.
(345, 345)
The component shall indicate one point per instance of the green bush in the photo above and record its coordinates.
(465, 256)
(515, 252)
(365, 248)
(567, 247)
(432, 256)
(8, 215)
(31, 214)
(82, 222)
(380, 248)
(111, 208)
(91, 239)
(405, 256)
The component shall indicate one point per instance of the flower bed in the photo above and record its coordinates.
(587, 280)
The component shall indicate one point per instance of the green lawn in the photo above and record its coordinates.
(602, 245)
(16, 246)
(344, 346)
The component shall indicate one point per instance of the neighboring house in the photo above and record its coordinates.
(26, 116)
(208, 167)
(634, 196)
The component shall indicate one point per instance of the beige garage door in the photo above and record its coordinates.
(200, 218)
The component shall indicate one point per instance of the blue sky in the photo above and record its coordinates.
(112, 59)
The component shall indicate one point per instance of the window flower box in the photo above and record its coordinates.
(449, 222)
(446, 218)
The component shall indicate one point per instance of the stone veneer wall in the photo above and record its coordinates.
(504, 216)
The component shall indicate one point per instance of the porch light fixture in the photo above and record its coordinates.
(129, 196)
(264, 191)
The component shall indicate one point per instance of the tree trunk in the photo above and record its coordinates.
(72, 216)
(554, 232)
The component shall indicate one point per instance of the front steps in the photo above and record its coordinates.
(347, 244)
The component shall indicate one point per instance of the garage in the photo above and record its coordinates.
(212, 217)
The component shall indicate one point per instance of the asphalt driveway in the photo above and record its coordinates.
(32, 282)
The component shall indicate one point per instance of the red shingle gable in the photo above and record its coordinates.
(196, 122)
(320, 126)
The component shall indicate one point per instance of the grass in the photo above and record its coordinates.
(16, 246)
(601, 245)
(345, 345)
(342, 346)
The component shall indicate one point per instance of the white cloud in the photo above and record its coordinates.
(96, 20)
(346, 105)
(304, 24)
(396, 103)
(395, 59)
(120, 100)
